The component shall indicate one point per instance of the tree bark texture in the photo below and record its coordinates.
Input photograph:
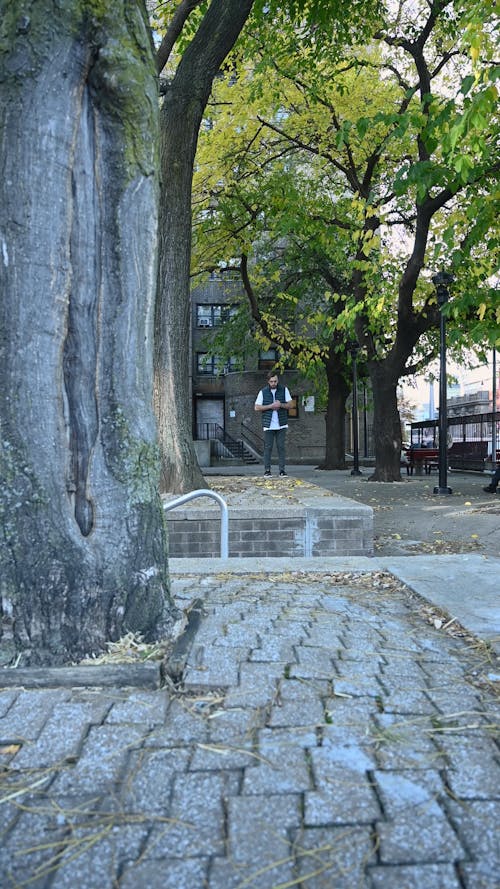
(180, 119)
(338, 392)
(83, 545)
(386, 423)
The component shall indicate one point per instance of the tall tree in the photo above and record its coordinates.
(393, 172)
(83, 549)
(205, 37)
(186, 96)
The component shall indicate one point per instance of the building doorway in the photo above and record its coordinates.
(209, 414)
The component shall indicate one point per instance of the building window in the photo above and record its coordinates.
(213, 365)
(293, 411)
(213, 315)
(267, 358)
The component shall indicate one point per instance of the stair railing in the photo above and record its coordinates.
(224, 515)
(254, 440)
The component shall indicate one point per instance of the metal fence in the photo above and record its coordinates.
(471, 427)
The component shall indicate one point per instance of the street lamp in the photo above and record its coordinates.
(353, 350)
(441, 282)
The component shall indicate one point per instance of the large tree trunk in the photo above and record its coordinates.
(83, 554)
(180, 120)
(386, 423)
(338, 392)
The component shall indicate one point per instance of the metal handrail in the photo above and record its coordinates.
(247, 433)
(224, 516)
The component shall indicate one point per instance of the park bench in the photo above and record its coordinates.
(468, 455)
(421, 460)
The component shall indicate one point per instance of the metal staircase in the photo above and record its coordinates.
(236, 449)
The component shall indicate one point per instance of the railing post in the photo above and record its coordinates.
(224, 515)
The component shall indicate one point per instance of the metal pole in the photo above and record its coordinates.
(365, 424)
(494, 443)
(355, 429)
(441, 281)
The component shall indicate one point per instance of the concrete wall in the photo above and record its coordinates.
(340, 527)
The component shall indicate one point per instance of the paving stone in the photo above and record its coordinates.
(60, 739)
(273, 649)
(280, 768)
(409, 702)
(183, 725)
(230, 874)
(213, 667)
(102, 760)
(214, 756)
(230, 635)
(403, 792)
(473, 770)
(456, 700)
(93, 854)
(312, 663)
(7, 698)
(196, 828)
(297, 736)
(27, 850)
(147, 708)
(479, 875)
(168, 873)
(334, 858)
(257, 685)
(405, 743)
(352, 681)
(230, 743)
(344, 794)
(446, 674)
(304, 690)
(150, 777)
(407, 672)
(393, 646)
(29, 713)
(348, 720)
(9, 811)
(477, 824)
(337, 602)
(418, 838)
(235, 724)
(294, 713)
(422, 876)
(259, 828)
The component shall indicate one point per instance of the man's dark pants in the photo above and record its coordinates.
(271, 436)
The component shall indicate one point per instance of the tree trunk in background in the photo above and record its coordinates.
(180, 120)
(338, 393)
(83, 548)
(386, 423)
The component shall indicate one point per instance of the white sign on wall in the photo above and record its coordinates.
(308, 403)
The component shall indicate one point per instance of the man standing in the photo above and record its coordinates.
(273, 401)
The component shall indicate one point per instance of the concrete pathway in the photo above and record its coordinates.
(320, 733)
(321, 724)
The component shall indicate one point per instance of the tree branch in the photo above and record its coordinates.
(174, 30)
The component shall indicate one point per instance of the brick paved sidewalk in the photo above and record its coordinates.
(324, 736)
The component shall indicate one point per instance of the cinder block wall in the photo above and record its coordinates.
(296, 532)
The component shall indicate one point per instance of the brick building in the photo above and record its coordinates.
(224, 396)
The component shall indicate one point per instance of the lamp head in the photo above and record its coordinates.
(442, 279)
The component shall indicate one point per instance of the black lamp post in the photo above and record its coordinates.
(354, 349)
(442, 281)
(365, 424)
